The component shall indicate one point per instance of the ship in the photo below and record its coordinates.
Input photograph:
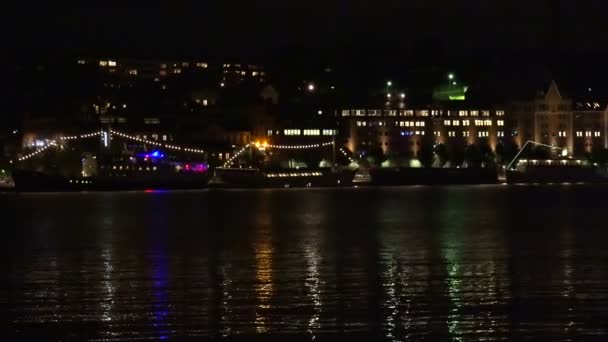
(146, 173)
(556, 171)
(432, 176)
(280, 178)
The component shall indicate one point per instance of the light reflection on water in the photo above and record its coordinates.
(410, 264)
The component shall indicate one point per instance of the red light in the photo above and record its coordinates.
(148, 191)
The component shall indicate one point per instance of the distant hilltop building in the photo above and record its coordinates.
(160, 70)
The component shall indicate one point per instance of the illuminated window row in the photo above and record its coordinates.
(294, 174)
(589, 134)
(312, 132)
(410, 123)
(291, 132)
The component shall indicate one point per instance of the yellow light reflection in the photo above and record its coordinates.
(263, 287)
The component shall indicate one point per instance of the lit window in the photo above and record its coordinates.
(423, 113)
(447, 122)
(205, 102)
(474, 113)
(562, 134)
(409, 113)
(500, 122)
(437, 133)
(103, 63)
(465, 134)
(312, 132)
(456, 123)
(483, 134)
(269, 133)
(597, 134)
(112, 63)
(163, 66)
(485, 113)
(155, 136)
(360, 112)
(451, 134)
(462, 113)
(291, 132)
(133, 72)
(345, 112)
(500, 113)
(185, 64)
(201, 65)
(80, 61)
(487, 122)
(329, 132)
(164, 137)
(177, 71)
(501, 134)
(579, 134)
(466, 122)
(588, 133)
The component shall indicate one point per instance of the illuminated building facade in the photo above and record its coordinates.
(404, 131)
(578, 125)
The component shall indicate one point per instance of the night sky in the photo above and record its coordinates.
(258, 28)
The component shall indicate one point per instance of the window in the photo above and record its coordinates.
(269, 133)
(373, 112)
(465, 134)
(201, 65)
(435, 112)
(597, 134)
(423, 113)
(561, 134)
(451, 134)
(103, 63)
(291, 132)
(456, 123)
(155, 136)
(466, 122)
(360, 112)
(164, 137)
(112, 63)
(185, 64)
(447, 122)
(485, 113)
(474, 113)
(500, 122)
(361, 123)
(483, 134)
(419, 123)
(177, 71)
(487, 122)
(329, 132)
(500, 113)
(409, 113)
(437, 133)
(501, 134)
(133, 72)
(462, 113)
(345, 112)
(579, 134)
(312, 132)
(588, 133)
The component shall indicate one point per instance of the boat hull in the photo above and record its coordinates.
(433, 176)
(31, 181)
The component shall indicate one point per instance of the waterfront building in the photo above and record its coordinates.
(578, 124)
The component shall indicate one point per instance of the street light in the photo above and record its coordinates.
(311, 87)
(450, 76)
(402, 95)
(388, 95)
(389, 83)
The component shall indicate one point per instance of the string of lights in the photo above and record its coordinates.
(347, 156)
(156, 143)
(295, 147)
(236, 155)
(52, 143)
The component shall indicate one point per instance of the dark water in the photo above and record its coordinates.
(404, 264)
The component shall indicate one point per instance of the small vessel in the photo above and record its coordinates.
(555, 171)
(256, 178)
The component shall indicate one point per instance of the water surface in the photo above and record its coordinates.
(400, 264)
